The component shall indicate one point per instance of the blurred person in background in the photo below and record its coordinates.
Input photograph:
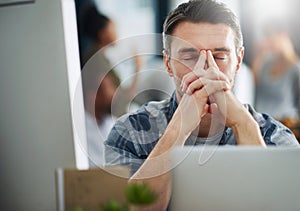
(99, 30)
(276, 69)
(104, 97)
(102, 33)
(99, 91)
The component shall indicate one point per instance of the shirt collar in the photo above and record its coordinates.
(173, 106)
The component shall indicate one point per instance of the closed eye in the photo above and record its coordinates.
(190, 58)
(220, 56)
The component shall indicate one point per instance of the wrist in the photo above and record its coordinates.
(248, 132)
(243, 126)
(176, 127)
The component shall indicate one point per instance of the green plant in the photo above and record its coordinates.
(140, 194)
(137, 194)
(113, 205)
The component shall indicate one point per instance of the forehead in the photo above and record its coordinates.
(202, 36)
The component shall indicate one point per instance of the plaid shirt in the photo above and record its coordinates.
(134, 135)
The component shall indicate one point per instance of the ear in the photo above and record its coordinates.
(240, 56)
(167, 63)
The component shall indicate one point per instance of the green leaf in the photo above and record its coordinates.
(140, 194)
(113, 205)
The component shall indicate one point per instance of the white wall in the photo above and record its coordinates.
(232, 4)
(37, 58)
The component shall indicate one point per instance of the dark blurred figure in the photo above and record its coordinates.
(98, 95)
(99, 31)
(83, 41)
(104, 97)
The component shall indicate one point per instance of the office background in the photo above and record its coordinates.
(40, 129)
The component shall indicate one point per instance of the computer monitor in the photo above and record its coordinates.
(39, 72)
(235, 178)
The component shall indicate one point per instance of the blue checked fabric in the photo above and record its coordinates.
(134, 135)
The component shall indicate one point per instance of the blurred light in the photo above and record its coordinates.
(272, 9)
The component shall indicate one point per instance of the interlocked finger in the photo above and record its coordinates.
(187, 80)
(201, 82)
(212, 72)
(213, 86)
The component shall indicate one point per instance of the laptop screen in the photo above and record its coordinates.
(235, 178)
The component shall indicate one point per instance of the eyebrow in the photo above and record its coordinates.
(223, 49)
(188, 50)
(194, 50)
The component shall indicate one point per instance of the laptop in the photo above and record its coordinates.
(235, 178)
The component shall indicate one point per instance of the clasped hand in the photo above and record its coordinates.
(207, 90)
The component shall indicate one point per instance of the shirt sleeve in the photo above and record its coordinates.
(120, 150)
(275, 133)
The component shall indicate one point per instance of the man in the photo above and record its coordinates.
(203, 51)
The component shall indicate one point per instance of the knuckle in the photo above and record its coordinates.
(197, 72)
(184, 78)
(214, 74)
(189, 76)
(223, 84)
(193, 86)
(203, 81)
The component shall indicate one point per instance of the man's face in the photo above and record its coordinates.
(190, 38)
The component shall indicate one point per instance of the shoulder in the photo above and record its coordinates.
(273, 132)
(144, 125)
(134, 135)
(145, 114)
